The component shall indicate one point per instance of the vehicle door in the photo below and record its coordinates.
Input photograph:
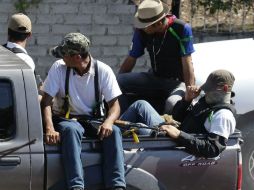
(15, 160)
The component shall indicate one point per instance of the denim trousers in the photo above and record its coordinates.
(142, 112)
(113, 159)
(149, 85)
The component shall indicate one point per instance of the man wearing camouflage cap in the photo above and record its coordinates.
(19, 31)
(213, 115)
(78, 86)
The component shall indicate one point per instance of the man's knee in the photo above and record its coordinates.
(70, 128)
(127, 80)
(141, 105)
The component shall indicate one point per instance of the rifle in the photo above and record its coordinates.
(130, 129)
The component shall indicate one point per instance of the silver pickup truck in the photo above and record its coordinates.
(156, 163)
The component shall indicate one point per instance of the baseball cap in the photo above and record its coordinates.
(73, 43)
(218, 78)
(20, 23)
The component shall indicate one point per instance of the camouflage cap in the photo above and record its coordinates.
(218, 78)
(73, 43)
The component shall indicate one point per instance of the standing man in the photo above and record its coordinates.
(77, 88)
(19, 31)
(168, 41)
(212, 115)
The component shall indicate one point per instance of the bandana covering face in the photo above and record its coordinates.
(215, 97)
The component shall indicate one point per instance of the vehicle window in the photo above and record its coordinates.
(7, 119)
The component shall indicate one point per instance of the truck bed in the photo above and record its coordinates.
(153, 164)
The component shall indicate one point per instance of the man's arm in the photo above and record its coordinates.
(209, 147)
(127, 65)
(188, 70)
(52, 136)
(181, 107)
(105, 129)
(136, 51)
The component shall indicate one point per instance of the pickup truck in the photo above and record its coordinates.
(156, 163)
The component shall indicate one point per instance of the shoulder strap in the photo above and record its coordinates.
(66, 105)
(177, 36)
(67, 77)
(14, 50)
(99, 109)
(172, 31)
(96, 82)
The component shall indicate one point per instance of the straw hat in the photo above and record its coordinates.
(149, 12)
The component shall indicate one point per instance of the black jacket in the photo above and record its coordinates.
(192, 120)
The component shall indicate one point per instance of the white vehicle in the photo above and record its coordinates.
(235, 56)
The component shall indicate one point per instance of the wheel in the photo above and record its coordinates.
(247, 152)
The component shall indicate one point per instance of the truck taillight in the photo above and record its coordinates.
(239, 172)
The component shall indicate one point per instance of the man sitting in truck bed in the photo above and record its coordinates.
(72, 81)
(212, 115)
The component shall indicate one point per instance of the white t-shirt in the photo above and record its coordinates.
(81, 88)
(24, 56)
(222, 123)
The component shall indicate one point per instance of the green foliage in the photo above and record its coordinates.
(213, 6)
(23, 5)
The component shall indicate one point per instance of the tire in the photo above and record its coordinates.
(248, 157)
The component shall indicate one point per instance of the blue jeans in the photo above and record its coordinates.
(142, 112)
(113, 161)
(148, 85)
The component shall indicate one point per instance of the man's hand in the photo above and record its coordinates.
(105, 130)
(52, 137)
(191, 93)
(172, 131)
(170, 121)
